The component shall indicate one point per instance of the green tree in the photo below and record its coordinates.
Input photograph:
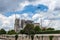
(44, 29)
(50, 29)
(22, 32)
(51, 37)
(2, 31)
(11, 32)
(32, 37)
(29, 30)
(37, 29)
(16, 36)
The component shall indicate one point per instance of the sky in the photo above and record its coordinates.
(47, 10)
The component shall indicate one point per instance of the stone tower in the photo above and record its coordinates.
(16, 25)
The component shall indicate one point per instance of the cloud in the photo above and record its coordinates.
(57, 5)
(49, 19)
(24, 5)
(33, 3)
(26, 16)
(33, 9)
(16, 5)
(49, 3)
(9, 5)
(7, 23)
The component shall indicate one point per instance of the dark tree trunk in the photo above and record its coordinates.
(32, 37)
(16, 37)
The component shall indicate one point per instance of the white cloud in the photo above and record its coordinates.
(26, 16)
(50, 3)
(22, 5)
(35, 16)
(7, 5)
(49, 15)
(58, 3)
(7, 22)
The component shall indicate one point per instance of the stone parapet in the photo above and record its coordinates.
(26, 37)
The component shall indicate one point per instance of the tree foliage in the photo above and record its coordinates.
(2, 31)
(51, 37)
(11, 32)
(29, 28)
(22, 32)
(49, 29)
(37, 29)
(16, 36)
(32, 37)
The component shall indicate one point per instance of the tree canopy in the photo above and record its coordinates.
(49, 29)
(37, 29)
(2, 31)
(11, 32)
(16, 36)
(29, 28)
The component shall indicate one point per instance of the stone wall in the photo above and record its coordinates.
(36, 37)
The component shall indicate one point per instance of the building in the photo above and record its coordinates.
(24, 22)
(29, 22)
(20, 24)
(36, 24)
(16, 25)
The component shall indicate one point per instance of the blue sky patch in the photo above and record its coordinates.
(30, 9)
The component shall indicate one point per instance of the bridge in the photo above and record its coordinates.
(26, 37)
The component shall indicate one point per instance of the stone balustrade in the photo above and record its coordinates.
(36, 37)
